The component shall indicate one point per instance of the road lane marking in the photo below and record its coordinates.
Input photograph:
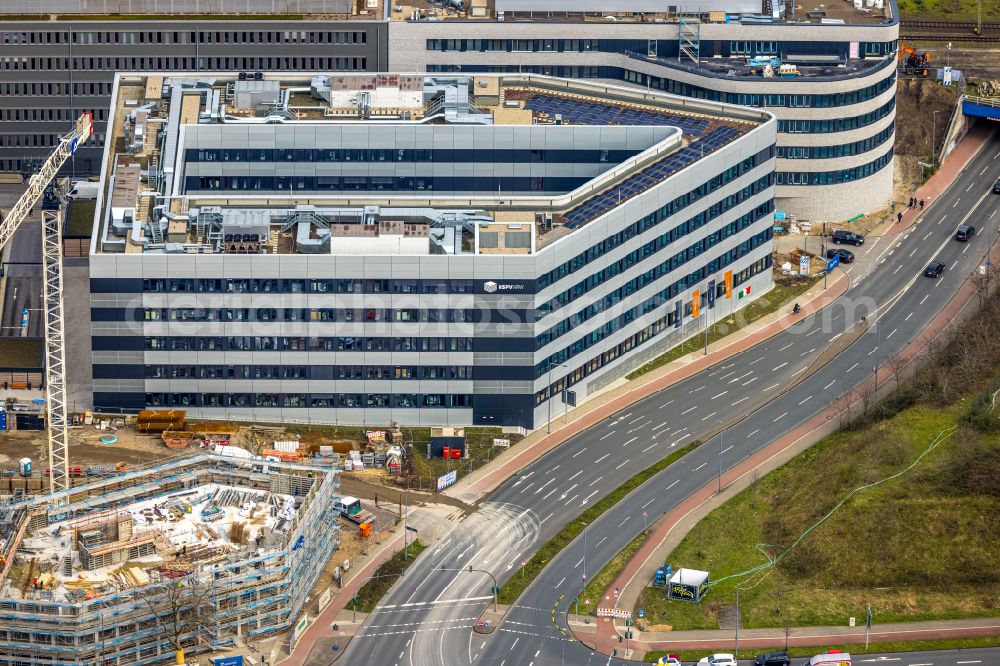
(799, 372)
(709, 416)
(665, 404)
(727, 374)
(805, 401)
(651, 446)
(780, 366)
(740, 400)
(966, 249)
(749, 381)
(725, 449)
(699, 467)
(808, 352)
(587, 498)
(540, 522)
(786, 346)
(698, 389)
(830, 384)
(928, 235)
(890, 335)
(630, 441)
(835, 337)
(608, 435)
(690, 409)
(780, 417)
(624, 521)
(853, 366)
(924, 299)
(515, 642)
(815, 330)
(655, 428)
(757, 361)
(602, 458)
(770, 387)
(672, 485)
(648, 503)
(718, 395)
(636, 419)
(953, 265)
(981, 173)
(559, 584)
(971, 185)
(897, 269)
(733, 381)
(589, 485)
(623, 464)
(908, 317)
(579, 452)
(753, 433)
(574, 476)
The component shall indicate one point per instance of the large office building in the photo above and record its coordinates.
(836, 111)
(447, 250)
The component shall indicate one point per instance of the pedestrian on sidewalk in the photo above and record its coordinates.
(921, 204)
(910, 205)
(899, 217)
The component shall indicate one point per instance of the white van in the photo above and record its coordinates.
(84, 189)
(832, 658)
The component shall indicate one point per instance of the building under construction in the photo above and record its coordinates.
(232, 547)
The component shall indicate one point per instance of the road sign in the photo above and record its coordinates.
(804, 261)
(523, 564)
(619, 613)
(569, 397)
(642, 613)
(833, 263)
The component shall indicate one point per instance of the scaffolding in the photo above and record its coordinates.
(252, 589)
(689, 37)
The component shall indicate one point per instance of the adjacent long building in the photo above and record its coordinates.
(447, 250)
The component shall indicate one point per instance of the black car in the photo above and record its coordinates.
(996, 187)
(965, 232)
(846, 256)
(847, 237)
(773, 659)
(934, 269)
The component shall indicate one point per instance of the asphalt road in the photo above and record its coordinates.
(426, 617)
(24, 281)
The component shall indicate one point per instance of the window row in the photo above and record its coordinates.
(384, 183)
(97, 89)
(671, 291)
(664, 268)
(303, 343)
(834, 177)
(827, 125)
(293, 286)
(155, 63)
(20, 140)
(842, 150)
(48, 114)
(313, 400)
(315, 372)
(86, 37)
(445, 155)
(669, 321)
(311, 314)
(636, 228)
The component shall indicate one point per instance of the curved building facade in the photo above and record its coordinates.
(836, 116)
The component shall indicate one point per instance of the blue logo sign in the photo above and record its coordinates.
(228, 661)
(833, 263)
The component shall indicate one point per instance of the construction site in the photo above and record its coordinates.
(180, 558)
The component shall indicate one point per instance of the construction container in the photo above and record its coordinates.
(24, 467)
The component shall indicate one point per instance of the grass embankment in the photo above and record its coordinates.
(919, 547)
(513, 589)
(785, 289)
(873, 648)
(946, 10)
(385, 577)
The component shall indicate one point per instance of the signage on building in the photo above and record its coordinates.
(804, 265)
(447, 479)
(228, 661)
(506, 287)
(324, 599)
(501, 443)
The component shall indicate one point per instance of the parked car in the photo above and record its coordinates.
(847, 238)
(934, 269)
(846, 256)
(773, 659)
(996, 187)
(965, 232)
(718, 660)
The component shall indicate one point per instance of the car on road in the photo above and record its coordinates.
(965, 232)
(847, 238)
(996, 187)
(669, 660)
(846, 256)
(831, 658)
(773, 659)
(934, 269)
(718, 660)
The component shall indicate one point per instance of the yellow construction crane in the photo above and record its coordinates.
(55, 351)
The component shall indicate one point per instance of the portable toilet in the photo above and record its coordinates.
(24, 467)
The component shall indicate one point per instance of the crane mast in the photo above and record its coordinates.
(52, 294)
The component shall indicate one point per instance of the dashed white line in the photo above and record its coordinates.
(815, 330)
(786, 346)
(655, 428)
(908, 317)
(780, 366)
(718, 395)
(753, 433)
(770, 387)
(741, 400)
(924, 299)
(624, 521)
(608, 435)
(971, 185)
(595, 481)
(699, 467)
(914, 252)
(805, 401)
(575, 475)
(707, 417)
(651, 446)
(749, 381)
(953, 265)
(897, 269)
(891, 334)
(689, 409)
(601, 458)
(648, 503)
(630, 441)
(756, 361)
(853, 366)
(780, 417)
(928, 235)
(623, 464)
(830, 384)
(725, 449)
(697, 389)
(579, 452)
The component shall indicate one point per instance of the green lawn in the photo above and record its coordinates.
(385, 576)
(853, 649)
(947, 10)
(81, 219)
(784, 291)
(922, 546)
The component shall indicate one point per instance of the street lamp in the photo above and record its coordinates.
(934, 136)
(548, 389)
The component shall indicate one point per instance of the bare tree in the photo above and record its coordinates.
(185, 609)
(897, 366)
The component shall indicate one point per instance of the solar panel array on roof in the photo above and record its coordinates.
(594, 113)
(657, 172)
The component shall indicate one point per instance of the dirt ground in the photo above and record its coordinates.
(86, 448)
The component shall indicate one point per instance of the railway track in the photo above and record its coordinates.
(948, 26)
(987, 39)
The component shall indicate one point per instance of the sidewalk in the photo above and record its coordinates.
(675, 524)
(953, 165)
(484, 480)
(806, 636)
